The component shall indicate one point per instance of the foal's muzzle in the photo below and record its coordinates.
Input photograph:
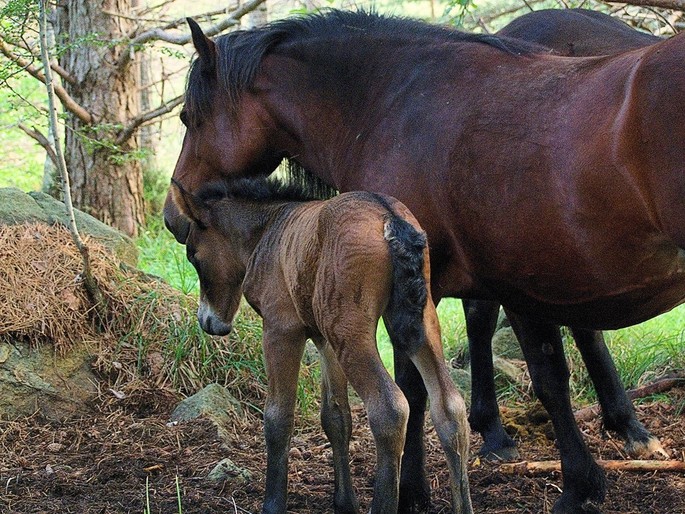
(210, 322)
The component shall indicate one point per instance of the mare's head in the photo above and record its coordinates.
(213, 250)
(229, 132)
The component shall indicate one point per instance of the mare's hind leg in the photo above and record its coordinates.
(617, 410)
(583, 480)
(447, 409)
(481, 321)
(414, 488)
(337, 423)
(282, 355)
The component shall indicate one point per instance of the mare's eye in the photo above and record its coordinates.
(184, 118)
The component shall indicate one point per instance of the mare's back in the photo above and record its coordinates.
(577, 32)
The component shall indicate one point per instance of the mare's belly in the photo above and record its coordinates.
(632, 289)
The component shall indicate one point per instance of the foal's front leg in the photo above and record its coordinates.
(282, 355)
(414, 489)
(481, 321)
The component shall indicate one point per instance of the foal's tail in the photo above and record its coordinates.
(404, 315)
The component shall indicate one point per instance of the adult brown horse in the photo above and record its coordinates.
(328, 270)
(572, 32)
(552, 185)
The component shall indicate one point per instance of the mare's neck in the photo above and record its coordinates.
(325, 127)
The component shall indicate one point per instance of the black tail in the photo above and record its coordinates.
(404, 315)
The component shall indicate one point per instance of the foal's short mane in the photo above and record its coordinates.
(261, 189)
(240, 53)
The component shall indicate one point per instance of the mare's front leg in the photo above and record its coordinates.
(481, 322)
(617, 410)
(583, 480)
(414, 488)
(337, 423)
(282, 355)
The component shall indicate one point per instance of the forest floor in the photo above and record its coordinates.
(123, 456)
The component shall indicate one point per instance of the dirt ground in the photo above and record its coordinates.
(101, 463)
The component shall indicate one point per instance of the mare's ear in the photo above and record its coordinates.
(206, 49)
(190, 205)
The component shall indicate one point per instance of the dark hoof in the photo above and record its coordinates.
(506, 454)
(413, 500)
(568, 506)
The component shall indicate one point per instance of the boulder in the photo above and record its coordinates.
(462, 380)
(505, 344)
(214, 403)
(36, 379)
(227, 470)
(17, 207)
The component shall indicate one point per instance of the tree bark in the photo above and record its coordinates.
(106, 178)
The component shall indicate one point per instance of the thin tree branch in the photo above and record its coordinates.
(34, 133)
(532, 468)
(128, 131)
(64, 74)
(61, 93)
(159, 34)
(676, 5)
(88, 280)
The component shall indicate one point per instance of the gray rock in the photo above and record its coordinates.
(505, 344)
(17, 207)
(509, 373)
(39, 379)
(462, 380)
(227, 470)
(213, 402)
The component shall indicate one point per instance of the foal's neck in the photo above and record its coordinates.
(252, 220)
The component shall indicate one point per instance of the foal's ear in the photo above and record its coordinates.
(189, 205)
(206, 48)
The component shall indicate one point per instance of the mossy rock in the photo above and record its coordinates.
(18, 207)
(57, 385)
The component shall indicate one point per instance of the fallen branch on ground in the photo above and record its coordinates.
(659, 386)
(548, 466)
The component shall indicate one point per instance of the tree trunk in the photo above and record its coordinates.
(106, 179)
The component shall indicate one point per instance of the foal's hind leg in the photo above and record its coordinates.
(583, 480)
(617, 410)
(282, 355)
(481, 321)
(385, 404)
(337, 423)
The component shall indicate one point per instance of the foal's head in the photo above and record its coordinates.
(212, 247)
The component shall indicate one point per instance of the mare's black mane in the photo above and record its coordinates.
(240, 53)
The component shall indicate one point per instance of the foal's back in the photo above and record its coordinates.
(327, 256)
